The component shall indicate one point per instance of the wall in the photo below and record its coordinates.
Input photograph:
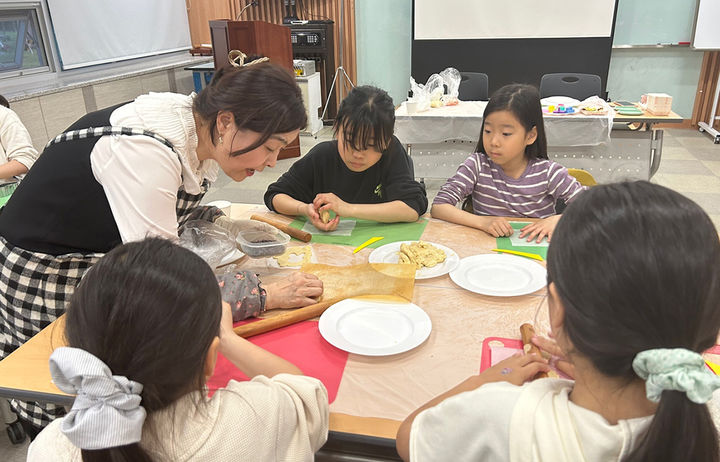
(48, 115)
(674, 71)
(383, 38)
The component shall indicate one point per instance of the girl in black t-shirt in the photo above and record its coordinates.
(364, 173)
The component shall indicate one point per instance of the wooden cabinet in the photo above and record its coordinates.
(254, 38)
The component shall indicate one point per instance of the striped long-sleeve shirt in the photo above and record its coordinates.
(533, 195)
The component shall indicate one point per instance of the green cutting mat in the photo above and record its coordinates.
(506, 244)
(4, 200)
(365, 229)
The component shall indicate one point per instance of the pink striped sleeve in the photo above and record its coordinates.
(461, 184)
(561, 185)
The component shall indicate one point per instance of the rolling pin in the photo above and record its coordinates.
(294, 232)
(282, 320)
(526, 332)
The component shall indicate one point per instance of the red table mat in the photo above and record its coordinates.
(302, 345)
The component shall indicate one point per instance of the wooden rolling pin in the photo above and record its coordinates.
(526, 332)
(282, 320)
(294, 232)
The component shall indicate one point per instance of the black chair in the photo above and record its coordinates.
(578, 86)
(473, 86)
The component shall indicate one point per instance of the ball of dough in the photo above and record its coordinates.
(325, 216)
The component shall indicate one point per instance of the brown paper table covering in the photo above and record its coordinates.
(392, 387)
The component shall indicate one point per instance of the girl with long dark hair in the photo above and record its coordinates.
(509, 174)
(138, 360)
(634, 301)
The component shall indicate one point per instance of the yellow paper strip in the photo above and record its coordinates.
(372, 240)
(522, 254)
(715, 367)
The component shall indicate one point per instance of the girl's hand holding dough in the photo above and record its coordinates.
(322, 205)
(314, 216)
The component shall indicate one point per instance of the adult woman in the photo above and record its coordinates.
(121, 173)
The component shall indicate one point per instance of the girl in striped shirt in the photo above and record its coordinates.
(509, 174)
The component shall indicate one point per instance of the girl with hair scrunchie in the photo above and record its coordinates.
(138, 360)
(634, 300)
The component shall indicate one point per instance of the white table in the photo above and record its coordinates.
(440, 139)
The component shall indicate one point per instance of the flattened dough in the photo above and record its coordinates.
(295, 256)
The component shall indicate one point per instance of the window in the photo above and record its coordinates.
(22, 50)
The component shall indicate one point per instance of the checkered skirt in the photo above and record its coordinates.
(36, 287)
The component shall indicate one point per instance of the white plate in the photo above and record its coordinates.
(374, 328)
(231, 257)
(555, 100)
(499, 274)
(388, 253)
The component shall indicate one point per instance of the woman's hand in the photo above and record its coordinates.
(558, 358)
(300, 289)
(313, 215)
(516, 369)
(496, 226)
(236, 226)
(540, 229)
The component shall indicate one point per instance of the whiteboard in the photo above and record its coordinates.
(91, 32)
(706, 35)
(509, 19)
(650, 22)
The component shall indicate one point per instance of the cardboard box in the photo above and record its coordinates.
(659, 103)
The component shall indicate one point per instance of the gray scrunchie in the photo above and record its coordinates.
(106, 412)
(675, 369)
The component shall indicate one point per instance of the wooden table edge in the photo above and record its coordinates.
(366, 426)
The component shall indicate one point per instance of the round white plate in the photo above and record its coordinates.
(499, 275)
(231, 257)
(374, 328)
(388, 253)
(555, 100)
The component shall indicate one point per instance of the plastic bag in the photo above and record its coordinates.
(451, 78)
(420, 97)
(211, 242)
(435, 87)
(433, 93)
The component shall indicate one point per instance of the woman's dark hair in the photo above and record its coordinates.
(637, 267)
(150, 311)
(4, 101)
(262, 97)
(367, 119)
(523, 101)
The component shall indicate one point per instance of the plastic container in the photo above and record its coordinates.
(259, 244)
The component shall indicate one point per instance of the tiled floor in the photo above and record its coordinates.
(690, 165)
